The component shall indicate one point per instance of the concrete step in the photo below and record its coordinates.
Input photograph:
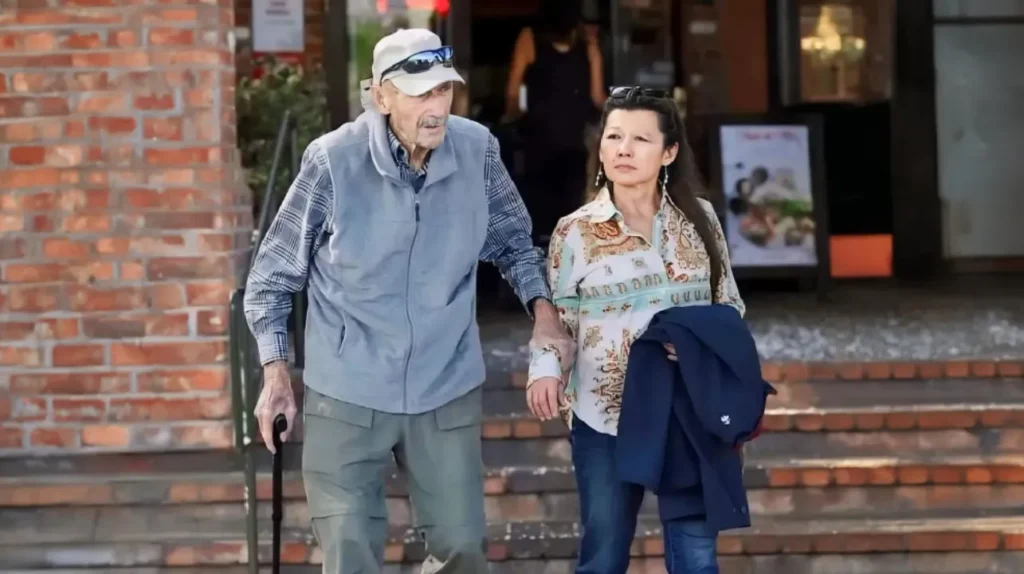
(861, 399)
(819, 405)
(507, 370)
(846, 394)
(515, 546)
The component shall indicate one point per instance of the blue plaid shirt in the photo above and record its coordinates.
(306, 217)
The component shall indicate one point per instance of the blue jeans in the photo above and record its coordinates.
(608, 513)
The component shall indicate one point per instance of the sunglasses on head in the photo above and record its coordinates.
(421, 62)
(633, 92)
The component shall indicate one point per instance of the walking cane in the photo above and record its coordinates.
(280, 425)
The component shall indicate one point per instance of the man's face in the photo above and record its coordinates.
(418, 120)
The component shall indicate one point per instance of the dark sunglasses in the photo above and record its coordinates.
(633, 92)
(421, 62)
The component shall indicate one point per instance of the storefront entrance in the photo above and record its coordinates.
(866, 67)
(833, 59)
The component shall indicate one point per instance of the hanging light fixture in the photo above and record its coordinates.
(827, 43)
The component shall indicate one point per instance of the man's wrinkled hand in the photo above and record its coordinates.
(549, 333)
(276, 398)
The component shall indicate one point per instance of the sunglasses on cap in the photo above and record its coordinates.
(421, 62)
(633, 92)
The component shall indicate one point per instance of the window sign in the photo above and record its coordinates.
(277, 26)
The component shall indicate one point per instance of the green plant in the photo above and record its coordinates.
(261, 102)
(365, 36)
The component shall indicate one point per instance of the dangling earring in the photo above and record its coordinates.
(600, 175)
(664, 180)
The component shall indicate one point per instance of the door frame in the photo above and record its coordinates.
(917, 208)
(335, 59)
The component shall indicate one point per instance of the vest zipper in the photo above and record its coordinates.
(408, 309)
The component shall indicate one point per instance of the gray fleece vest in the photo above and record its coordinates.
(392, 290)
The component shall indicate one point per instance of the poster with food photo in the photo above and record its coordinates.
(766, 180)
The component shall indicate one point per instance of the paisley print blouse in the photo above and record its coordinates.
(607, 283)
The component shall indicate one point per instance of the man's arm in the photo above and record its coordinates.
(509, 244)
(282, 263)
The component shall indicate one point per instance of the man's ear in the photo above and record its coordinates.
(380, 99)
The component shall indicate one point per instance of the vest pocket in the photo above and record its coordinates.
(339, 344)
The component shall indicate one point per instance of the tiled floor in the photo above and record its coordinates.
(971, 318)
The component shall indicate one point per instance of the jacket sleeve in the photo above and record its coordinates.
(728, 293)
(563, 277)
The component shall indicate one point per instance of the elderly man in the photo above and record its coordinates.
(385, 224)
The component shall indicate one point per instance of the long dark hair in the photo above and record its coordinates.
(684, 181)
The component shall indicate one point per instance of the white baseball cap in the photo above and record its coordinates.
(398, 47)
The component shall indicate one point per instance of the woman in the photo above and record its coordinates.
(560, 65)
(645, 243)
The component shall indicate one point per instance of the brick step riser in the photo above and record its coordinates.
(939, 480)
(528, 427)
(812, 422)
(134, 527)
(503, 378)
(815, 407)
(818, 554)
(921, 563)
(810, 504)
(807, 502)
(853, 503)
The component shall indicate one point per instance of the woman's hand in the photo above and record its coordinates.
(671, 352)
(544, 396)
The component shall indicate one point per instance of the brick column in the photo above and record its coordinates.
(122, 211)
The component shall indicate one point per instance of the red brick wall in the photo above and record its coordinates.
(121, 208)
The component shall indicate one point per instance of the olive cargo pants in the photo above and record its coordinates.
(347, 451)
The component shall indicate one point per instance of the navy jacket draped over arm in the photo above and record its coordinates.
(681, 422)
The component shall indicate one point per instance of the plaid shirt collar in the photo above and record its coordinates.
(409, 173)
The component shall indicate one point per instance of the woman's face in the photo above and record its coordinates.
(633, 148)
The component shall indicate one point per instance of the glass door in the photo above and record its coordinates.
(644, 49)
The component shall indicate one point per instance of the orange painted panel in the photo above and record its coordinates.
(861, 255)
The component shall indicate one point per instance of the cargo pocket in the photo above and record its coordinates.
(319, 405)
(343, 459)
(464, 411)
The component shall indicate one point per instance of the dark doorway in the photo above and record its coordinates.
(835, 60)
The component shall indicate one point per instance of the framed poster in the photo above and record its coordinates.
(770, 175)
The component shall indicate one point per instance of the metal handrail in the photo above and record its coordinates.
(269, 208)
(246, 370)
